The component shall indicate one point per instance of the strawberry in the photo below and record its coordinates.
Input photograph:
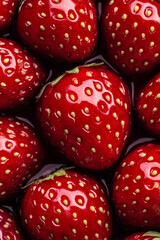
(9, 228)
(148, 105)
(136, 194)
(63, 30)
(130, 29)
(7, 11)
(66, 205)
(21, 75)
(150, 235)
(21, 155)
(86, 114)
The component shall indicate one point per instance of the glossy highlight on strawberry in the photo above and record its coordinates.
(64, 30)
(21, 155)
(136, 183)
(131, 35)
(9, 228)
(86, 114)
(21, 75)
(150, 235)
(67, 205)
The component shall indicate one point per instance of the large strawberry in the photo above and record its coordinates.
(67, 205)
(86, 113)
(150, 235)
(65, 30)
(136, 193)
(131, 35)
(21, 75)
(148, 103)
(21, 155)
(7, 11)
(9, 229)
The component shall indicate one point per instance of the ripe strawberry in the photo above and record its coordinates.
(131, 35)
(86, 113)
(144, 236)
(8, 226)
(21, 75)
(136, 194)
(148, 103)
(21, 155)
(64, 30)
(7, 11)
(67, 205)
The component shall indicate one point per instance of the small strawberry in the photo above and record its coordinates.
(7, 11)
(21, 155)
(131, 35)
(67, 205)
(21, 75)
(148, 103)
(136, 185)
(86, 113)
(150, 235)
(8, 225)
(64, 30)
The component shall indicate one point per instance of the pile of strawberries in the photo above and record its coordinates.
(79, 120)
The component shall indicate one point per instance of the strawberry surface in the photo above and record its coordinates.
(67, 205)
(9, 229)
(21, 75)
(136, 183)
(64, 30)
(150, 235)
(7, 11)
(148, 103)
(131, 35)
(21, 155)
(86, 113)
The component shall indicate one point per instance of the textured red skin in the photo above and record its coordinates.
(136, 194)
(120, 17)
(7, 11)
(86, 109)
(39, 219)
(8, 225)
(54, 29)
(21, 75)
(140, 236)
(21, 155)
(148, 103)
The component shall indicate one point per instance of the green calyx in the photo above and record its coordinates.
(156, 235)
(72, 71)
(58, 173)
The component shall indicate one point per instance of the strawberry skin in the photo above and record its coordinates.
(66, 205)
(131, 35)
(148, 103)
(150, 235)
(21, 155)
(8, 226)
(136, 194)
(21, 75)
(7, 11)
(63, 30)
(86, 114)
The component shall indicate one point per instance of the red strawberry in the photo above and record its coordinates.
(144, 236)
(86, 113)
(65, 30)
(7, 11)
(131, 35)
(21, 75)
(136, 193)
(8, 226)
(21, 155)
(148, 105)
(67, 205)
